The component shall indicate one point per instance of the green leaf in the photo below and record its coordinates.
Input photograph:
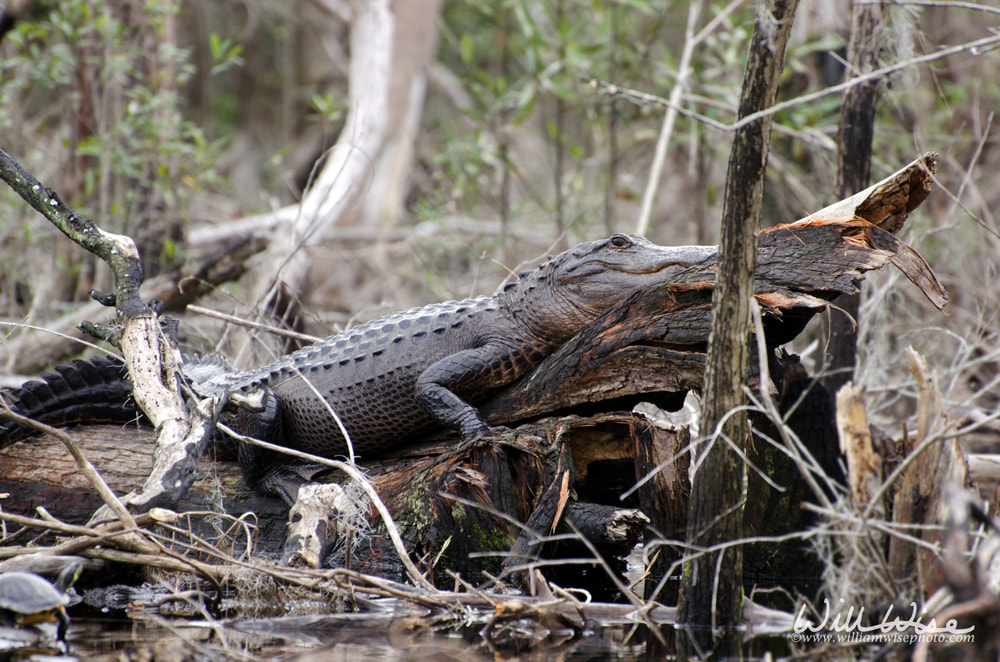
(170, 248)
(466, 48)
(526, 101)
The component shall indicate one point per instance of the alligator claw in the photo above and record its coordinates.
(483, 431)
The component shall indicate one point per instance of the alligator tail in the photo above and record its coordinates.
(94, 391)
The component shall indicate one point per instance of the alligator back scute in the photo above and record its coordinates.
(94, 391)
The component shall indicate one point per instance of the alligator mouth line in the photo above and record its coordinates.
(652, 269)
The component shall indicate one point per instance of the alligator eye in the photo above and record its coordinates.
(620, 241)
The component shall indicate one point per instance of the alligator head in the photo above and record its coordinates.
(573, 288)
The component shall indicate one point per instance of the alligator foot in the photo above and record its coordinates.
(483, 431)
(286, 480)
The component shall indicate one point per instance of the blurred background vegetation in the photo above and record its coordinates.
(158, 116)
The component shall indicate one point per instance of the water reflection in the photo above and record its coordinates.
(348, 637)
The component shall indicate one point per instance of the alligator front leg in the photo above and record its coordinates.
(468, 371)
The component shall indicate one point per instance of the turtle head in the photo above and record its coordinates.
(68, 576)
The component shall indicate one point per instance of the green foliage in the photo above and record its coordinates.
(525, 67)
(329, 108)
(225, 53)
(118, 80)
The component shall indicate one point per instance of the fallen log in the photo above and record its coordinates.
(40, 472)
(649, 347)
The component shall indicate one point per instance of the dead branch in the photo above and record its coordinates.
(152, 357)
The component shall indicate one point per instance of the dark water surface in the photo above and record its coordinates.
(388, 629)
(352, 637)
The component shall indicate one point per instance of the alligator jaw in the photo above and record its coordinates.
(599, 274)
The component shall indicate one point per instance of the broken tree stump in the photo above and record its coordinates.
(921, 499)
(662, 456)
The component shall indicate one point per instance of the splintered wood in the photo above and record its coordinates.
(936, 465)
(933, 466)
(864, 465)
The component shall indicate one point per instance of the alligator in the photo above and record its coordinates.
(396, 376)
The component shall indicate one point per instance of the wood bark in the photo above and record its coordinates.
(661, 455)
(711, 594)
(41, 472)
(607, 526)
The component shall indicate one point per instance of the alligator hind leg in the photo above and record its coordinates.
(267, 471)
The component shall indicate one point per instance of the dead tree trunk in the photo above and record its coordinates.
(363, 177)
(854, 156)
(712, 593)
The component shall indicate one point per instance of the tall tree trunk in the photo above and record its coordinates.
(711, 593)
(854, 157)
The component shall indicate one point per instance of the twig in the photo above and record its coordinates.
(333, 414)
(691, 40)
(87, 343)
(611, 88)
(982, 605)
(953, 4)
(216, 573)
(118, 251)
(62, 527)
(287, 333)
(667, 129)
(956, 197)
(390, 588)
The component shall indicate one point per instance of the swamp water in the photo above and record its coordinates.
(387, 635)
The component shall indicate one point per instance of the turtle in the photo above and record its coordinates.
(27, 599)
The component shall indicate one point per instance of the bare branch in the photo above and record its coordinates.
(975, 47)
